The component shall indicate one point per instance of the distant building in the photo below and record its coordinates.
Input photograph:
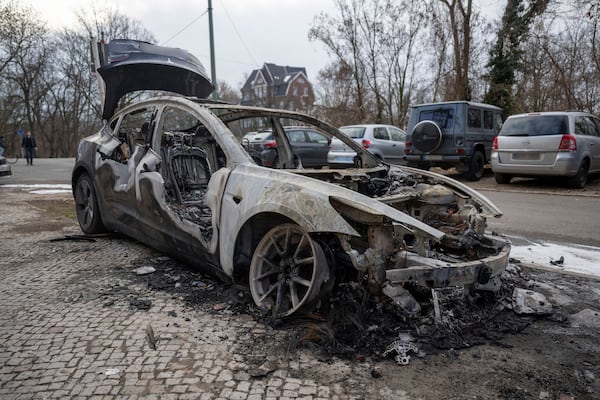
(277, 86)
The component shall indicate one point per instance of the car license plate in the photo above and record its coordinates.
(343, 159)
(526, 156)
(431, 157)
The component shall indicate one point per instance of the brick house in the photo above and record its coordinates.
(277, 86)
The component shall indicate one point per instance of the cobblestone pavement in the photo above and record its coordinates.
(68, 329)
(77, 323)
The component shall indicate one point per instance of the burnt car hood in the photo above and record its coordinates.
(128, 65)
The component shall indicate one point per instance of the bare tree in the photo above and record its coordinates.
(20, 33)
(560, 71)
(341, 38)
(227, 93)
(108, 23)
(372, 45)
(461, 15)
(336, 94)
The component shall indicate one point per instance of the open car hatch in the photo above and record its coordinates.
(127, 65)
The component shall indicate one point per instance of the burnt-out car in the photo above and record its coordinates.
(170, 172)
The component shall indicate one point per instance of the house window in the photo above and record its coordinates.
(260, 91)
(305, 91)
(295, 91)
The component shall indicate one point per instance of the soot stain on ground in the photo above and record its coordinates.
(350, 323)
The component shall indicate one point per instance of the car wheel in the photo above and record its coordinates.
(502, 179)
(86, 206)
(580, 179)
(476, 166)
(287, 271)
(427, 136)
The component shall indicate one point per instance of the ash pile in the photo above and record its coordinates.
(353, 324)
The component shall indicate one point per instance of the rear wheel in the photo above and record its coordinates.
(580, 179)
(86, 206)
(287, 271)
(502, 179)
(476, 166)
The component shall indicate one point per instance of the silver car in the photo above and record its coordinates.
(386, 142)
(565, 143)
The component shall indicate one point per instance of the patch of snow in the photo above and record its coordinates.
(41, 188)
(50, 191)
(576, 257)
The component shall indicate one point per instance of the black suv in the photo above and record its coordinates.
(452, 134)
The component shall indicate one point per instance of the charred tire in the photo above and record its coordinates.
(287, 271)
(427, 136)
(579, 180)
(502, 179)
(476, 166)
(86, 206)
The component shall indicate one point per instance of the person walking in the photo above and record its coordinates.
(28, 144)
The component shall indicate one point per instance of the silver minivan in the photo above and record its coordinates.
(384, 141)
(561, 143)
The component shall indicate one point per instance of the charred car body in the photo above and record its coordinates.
(170, 173)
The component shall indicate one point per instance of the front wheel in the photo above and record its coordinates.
(287, 271)
(86, 206)
(476, 166)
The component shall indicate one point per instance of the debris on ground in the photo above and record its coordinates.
(529, 302)
(560, 261)
(150, 338)
(74, 238)
(587, 317)
(263, 370)
(402, 348)
(351, 323)
(140, 304)
(112, 371)
(145, 270)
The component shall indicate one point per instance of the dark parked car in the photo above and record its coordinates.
(452, 134)
(169, 172)
(307, 144)
(255, 142)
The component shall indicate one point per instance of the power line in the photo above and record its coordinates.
(185, 27)
(238, 35)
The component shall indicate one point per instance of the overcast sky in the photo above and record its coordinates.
(248, 33)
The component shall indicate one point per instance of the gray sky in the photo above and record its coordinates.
(248, 33)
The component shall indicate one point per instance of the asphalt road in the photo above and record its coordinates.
(536, 209)
(43, 171)
(566, 219)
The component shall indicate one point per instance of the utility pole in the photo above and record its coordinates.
(213, 71)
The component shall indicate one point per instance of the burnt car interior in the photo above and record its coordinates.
(190, 156)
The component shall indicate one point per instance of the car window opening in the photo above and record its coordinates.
(191, 156)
